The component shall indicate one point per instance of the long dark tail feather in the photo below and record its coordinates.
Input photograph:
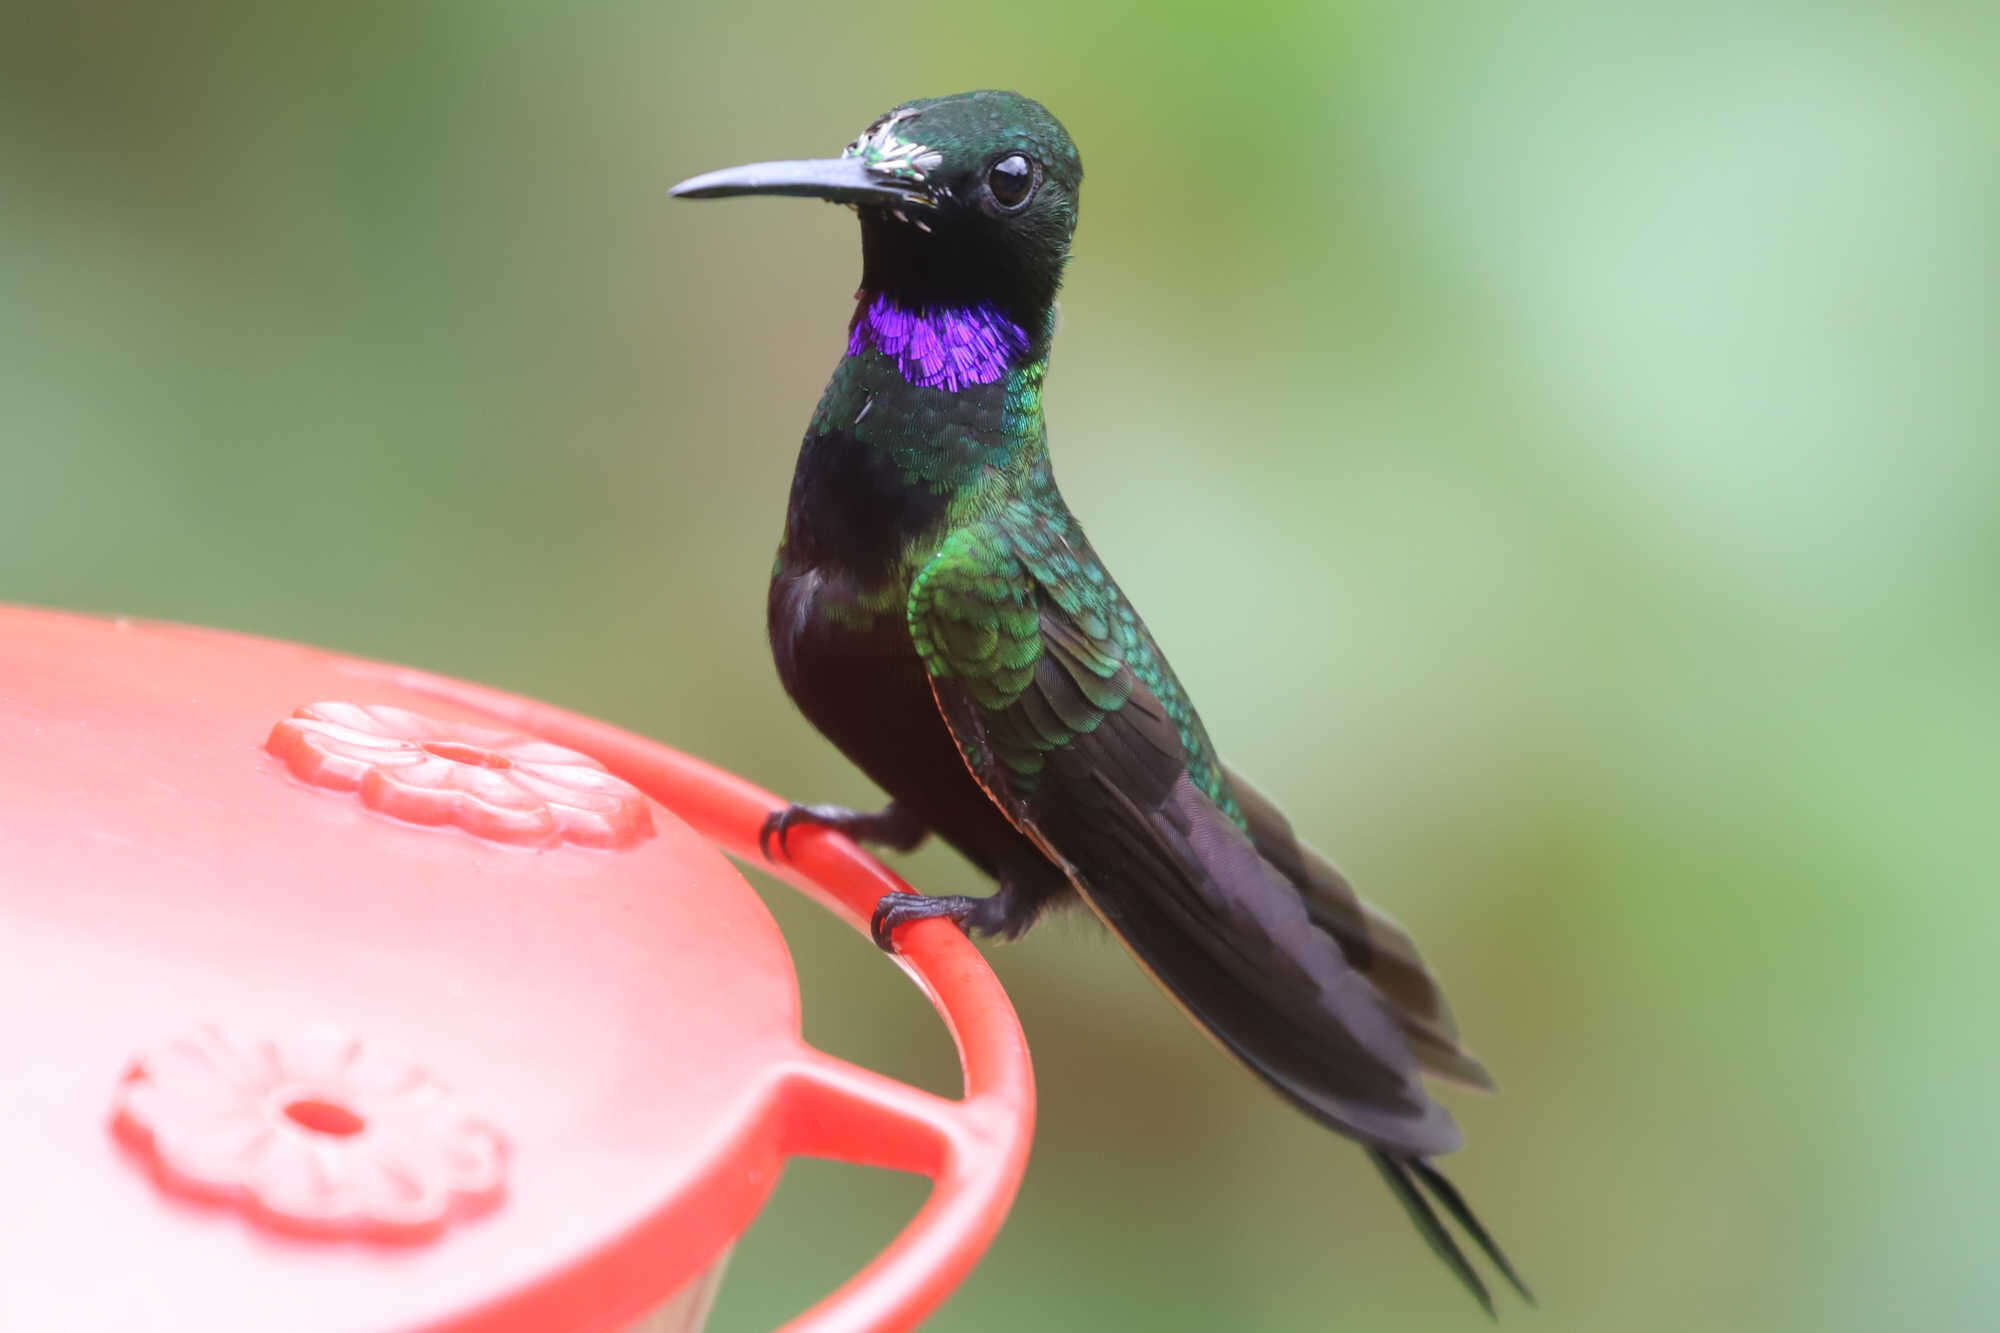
(1454, 1202)
(1396, 1170)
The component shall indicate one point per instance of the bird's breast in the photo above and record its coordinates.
(855, 509)
(820, 612)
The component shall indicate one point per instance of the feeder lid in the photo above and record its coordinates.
(336, 998)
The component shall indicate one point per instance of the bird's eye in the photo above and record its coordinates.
(1010, 181)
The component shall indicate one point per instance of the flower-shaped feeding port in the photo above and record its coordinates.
(319, 1135)
(497, 784)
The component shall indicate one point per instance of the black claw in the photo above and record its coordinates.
(893, 827)
(777, 824)
(780, 823)
(899, 909)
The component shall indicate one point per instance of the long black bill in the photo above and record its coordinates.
(845, 180)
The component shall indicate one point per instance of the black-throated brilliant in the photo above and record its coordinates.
(937, 612)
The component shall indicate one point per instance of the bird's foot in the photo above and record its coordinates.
(893, 826)
(900, 909)
(1009, 910)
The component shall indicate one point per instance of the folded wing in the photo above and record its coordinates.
(1070, 722)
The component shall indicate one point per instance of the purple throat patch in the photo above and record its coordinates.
(948, 348)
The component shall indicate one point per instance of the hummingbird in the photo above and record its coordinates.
(936, 611)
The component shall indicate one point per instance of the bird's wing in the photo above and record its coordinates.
(1371, 942)
(1043, 680)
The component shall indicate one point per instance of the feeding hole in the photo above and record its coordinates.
(320, 1117)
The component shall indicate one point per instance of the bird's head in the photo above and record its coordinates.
(964, 200)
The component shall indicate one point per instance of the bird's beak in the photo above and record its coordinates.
(845, 180)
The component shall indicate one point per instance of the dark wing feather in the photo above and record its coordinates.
(1231, 942)
(1373, 943)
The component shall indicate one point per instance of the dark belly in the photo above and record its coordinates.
(866, 691)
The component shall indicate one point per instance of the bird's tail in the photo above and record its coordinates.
(1410, 1178)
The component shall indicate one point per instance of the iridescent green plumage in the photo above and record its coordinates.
(937, 612)
(976, 612)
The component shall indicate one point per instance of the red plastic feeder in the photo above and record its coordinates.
(339, 996)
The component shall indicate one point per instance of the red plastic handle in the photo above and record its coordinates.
(974, 1149)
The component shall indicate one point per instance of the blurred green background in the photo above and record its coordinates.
(1555, 446)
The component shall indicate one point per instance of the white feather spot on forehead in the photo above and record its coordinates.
(888, 153)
